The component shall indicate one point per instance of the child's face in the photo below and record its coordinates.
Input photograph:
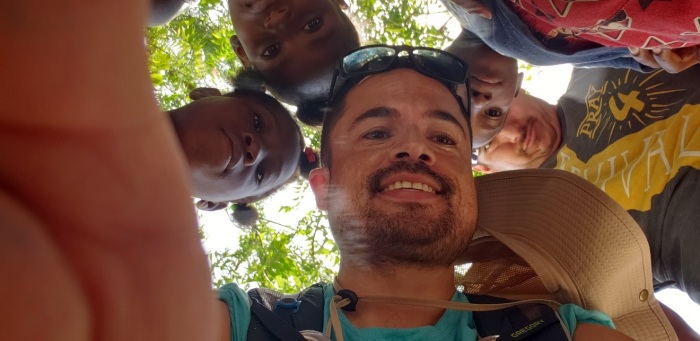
(290, 41)
(236, 147)
(494, 81)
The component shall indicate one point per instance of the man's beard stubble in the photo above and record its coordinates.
(411, 234)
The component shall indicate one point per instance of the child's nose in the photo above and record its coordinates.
(479, 98)
(252, 150)
(277, 18)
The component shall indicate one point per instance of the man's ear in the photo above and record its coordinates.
(206, 205)
(520, 83)
(482, 168)
(240, 51)
(318, 179)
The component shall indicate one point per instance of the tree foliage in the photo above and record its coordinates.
(194, 50)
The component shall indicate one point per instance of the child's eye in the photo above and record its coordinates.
(257, 122)
(259, 174)
(444, 139)
(271, 51)
(313, 25)
(378, 134)
(494, 113)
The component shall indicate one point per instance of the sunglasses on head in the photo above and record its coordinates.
(373, 59)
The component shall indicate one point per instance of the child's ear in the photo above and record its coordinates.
(482, 168)
(206, 205)
(240, 51)
(318, 179)
(520, 83)
(199, 93)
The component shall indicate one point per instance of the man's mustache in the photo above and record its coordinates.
(375, 180)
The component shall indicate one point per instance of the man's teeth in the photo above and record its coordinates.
(409, 185)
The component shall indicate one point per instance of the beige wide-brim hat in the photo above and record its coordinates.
(551, 234)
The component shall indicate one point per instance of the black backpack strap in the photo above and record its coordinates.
(274, 316)
(266, 325)
(531, 322)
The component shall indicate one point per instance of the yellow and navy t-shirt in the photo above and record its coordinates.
(636, 136)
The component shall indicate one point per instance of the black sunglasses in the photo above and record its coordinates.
(373, 59)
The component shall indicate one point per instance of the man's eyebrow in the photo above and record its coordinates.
(447, 117)
(378, 112)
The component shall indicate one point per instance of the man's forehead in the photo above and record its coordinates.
(405, 92)
(400, 86)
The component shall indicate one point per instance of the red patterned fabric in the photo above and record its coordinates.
(640, 23)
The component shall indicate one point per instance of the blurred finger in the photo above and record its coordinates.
(676, 60)
(644, 57)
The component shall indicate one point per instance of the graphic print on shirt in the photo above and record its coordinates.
(638, 131)
(697, 29)
(614, 28)
(621, 106)
(562, 7)
(616, 23)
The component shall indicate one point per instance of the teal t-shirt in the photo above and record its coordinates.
(453, 325)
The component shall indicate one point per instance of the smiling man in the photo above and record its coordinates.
(401, 202)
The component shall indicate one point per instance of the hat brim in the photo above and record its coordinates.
(579, 246)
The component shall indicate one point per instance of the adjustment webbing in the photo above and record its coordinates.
(338, 302)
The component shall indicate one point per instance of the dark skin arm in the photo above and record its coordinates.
(98, 237)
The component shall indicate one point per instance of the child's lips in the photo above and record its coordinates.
(233, 157)
(489, 79)
(483, 85)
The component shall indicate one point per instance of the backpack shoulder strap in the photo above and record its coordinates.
(531, 322)
(275, 316)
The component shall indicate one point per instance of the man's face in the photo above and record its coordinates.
(290, 41)
(399, 187)
(494, 81)
(531, 135)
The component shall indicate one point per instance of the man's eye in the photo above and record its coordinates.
(313, 25)
(259, 174)
(444, 139)
(376, 135)
(494, 113)
(257, 122)
(271, 51)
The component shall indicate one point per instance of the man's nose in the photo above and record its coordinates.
(277, 18)
(414, 148)
(252, 150)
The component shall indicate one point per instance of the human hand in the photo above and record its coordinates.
(671, 60)
(474, 7)
(98, 238)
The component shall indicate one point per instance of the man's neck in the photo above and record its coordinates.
(397, 281)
